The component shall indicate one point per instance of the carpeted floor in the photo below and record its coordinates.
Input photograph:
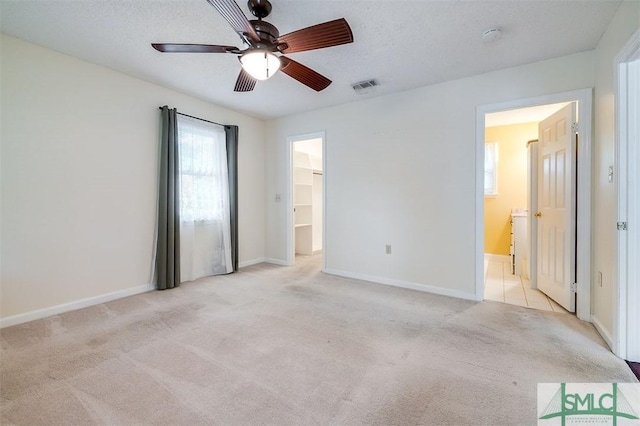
(293, 346)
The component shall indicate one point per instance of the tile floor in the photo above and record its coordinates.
(501, 286)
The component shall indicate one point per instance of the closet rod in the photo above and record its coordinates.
(197, 118)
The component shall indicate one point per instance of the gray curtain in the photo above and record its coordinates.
(168, 246)
(232, 164)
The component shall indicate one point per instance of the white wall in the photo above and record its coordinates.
(78, 175)
(623, 25)
(400, 170)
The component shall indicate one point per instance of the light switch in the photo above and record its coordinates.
(610, 174)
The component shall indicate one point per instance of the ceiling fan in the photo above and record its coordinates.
(262, 57)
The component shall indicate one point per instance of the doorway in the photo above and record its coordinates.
(306, 199)
(511, 142)
(583, 216)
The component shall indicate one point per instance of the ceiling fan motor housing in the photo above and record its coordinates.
(267, 32)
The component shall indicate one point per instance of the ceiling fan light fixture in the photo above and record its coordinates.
(260, 64)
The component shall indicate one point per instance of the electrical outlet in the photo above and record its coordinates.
(277, 198)
(387, 248)
(600, 278)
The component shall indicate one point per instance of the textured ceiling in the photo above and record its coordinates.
(403, 44)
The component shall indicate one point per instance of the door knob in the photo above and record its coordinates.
(538, 214)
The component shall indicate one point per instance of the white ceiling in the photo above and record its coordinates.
(403, 44)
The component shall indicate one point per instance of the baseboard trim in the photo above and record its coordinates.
(72, 306)
(251, 262)
(602, 331)
(262, 260)
(403, 284)
(276, 261)
(497, 257)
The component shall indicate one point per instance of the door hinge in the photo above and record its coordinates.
(574, 287)
(575, 127)
(622, 226)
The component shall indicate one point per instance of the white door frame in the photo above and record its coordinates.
(583, 251)
(626, 340)
(291, 245)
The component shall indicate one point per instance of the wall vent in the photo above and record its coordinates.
(363, 86)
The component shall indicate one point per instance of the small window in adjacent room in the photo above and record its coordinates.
(491, 169)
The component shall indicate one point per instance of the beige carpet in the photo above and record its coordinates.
(293, 346)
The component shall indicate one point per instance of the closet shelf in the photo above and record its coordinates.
(306, 193)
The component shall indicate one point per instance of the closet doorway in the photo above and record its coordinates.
(307, 193)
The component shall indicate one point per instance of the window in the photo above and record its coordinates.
(203, 170)
(491, 169)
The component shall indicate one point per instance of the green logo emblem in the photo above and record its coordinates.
(612, 404)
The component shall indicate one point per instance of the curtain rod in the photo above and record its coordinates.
(531, 141)
(198, 118)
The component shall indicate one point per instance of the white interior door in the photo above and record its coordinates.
(557, 206)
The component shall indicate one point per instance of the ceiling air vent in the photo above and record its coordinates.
(365, 86)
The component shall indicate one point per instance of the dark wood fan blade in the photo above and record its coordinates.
(232, 13)
(304, 74)
(244, 83)
(328, 34)
(193, 48)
